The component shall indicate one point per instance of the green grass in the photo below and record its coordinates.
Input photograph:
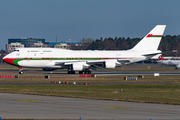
(168, 93)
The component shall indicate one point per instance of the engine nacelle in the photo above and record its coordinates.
(77, 67)
(178, 67)
(48, 69)
(110, 64)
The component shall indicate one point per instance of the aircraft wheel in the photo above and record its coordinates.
(80, 72)
(21, 72)
(87, 72)
(71, 72)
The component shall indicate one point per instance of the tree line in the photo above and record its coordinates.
(169, 45)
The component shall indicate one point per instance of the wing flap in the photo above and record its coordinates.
(124, 61)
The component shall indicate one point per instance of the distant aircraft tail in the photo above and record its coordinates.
(151, 40)
(161, 57)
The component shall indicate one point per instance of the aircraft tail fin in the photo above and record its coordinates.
(151, 40)
(161, 57)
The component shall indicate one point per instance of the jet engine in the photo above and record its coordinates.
(77, 67)
(110, 64)
(178, 66)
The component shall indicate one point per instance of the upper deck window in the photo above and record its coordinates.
(16, 50)
(47, 51)
(34, 51)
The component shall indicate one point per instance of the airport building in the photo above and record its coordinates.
(35, 42)
(26, 41)
(13, 46)
(63, 46)
(53, 44)
(39, 45)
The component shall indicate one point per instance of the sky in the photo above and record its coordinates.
(78, 19)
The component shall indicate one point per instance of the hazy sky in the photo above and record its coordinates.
(77, 19)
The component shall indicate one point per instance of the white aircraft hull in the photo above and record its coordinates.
(78, 60)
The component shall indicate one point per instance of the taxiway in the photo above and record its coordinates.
(20, 106)
(40, 72)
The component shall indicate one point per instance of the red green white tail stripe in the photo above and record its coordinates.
(151, 35)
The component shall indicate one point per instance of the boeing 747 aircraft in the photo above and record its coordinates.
(85, 60)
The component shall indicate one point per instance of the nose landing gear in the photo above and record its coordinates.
(21, 70)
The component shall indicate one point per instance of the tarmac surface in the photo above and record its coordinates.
(21, 106)
(99, 73)
(89, 83)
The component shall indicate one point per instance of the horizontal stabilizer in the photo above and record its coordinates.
(150, 55)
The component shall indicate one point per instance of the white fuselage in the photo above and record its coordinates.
(53, 57)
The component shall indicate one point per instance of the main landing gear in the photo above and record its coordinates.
(71, 72)
(80, 72)
(85, 72)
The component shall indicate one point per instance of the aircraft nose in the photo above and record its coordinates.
(5, 59)
(8, 60)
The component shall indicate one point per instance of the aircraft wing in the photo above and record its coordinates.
(124, 61)
(92, 64)
(96, 63)
(59, 63)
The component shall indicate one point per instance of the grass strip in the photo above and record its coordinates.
(165, 93)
